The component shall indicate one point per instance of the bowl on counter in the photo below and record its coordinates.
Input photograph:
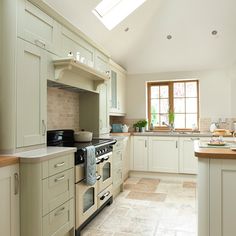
(83, 136)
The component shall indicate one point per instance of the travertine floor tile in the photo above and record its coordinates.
(158, 197)
(149, 181)
(150, 188)
(149, 207)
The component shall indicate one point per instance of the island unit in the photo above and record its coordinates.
(216, 191)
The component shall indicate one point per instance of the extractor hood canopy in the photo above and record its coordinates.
(84, 71)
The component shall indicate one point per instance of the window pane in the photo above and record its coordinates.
(164, 118)
(179, 90)
(179, 121)
(164, 91)
(164, 106)
(155, 119)
(155, 106)
(191, 120)
(191, 89)
(155, 92)
(179, 105)
(191, 105)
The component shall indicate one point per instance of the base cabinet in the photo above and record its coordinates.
(9, 204)
(140, 153)
(216, 197)
(47, 197)
(163, 154)
(187, 161)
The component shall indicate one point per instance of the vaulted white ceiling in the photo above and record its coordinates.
(145, 48)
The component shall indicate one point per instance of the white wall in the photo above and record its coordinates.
(214, 87)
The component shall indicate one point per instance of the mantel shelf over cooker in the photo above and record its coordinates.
(68, 64)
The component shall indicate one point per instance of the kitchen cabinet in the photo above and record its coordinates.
(101, 62)
(31, 94)
(47, 196)
(117, 170)
(78, 47)
(216, 197)
(163, 154)
(104, 126)
(188, 163)
(126, 154)
(37, 27)
(9, 204)
(140, 153)
(117, 89)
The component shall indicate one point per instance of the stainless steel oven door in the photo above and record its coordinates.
(105, 172)
(86, 201)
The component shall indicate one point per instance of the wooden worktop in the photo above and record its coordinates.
(216, 153)
(8, 160)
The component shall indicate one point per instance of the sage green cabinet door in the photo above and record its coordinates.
(37, 27)
(31, 94)
(103, 109)
(9, 204)
(101, 62)
(78, 47)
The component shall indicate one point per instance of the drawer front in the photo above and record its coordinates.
(60, 221)
(118, 145)
(37, 27)
(59, 164)
(104, 195)
(57, 190)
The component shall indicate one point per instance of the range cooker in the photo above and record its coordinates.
(90, 200)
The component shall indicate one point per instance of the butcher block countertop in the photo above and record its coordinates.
(8, 160)
(215, 152)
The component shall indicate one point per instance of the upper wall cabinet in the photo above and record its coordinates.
(101, 62)
(31, 95)
(37, 27)
(117, 89)
(72, 44)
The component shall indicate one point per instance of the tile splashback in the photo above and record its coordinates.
(62, 109)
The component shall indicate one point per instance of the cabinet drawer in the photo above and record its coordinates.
(104, 195)
(57, 165)
(60, 221)
(37, 27)
(118, 145)
(57, 190)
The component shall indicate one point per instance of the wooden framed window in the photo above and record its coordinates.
(178, 97)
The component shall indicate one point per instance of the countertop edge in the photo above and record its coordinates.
(213, 153)
(8, 160)
(26, 158)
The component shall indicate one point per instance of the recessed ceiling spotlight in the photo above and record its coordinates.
(169, 36)
(214, 32)
(126, 29)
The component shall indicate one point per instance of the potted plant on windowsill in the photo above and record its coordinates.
(140, 125)
(171, 120)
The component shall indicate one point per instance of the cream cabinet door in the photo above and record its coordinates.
(103, 109)
(163, 154)
(188, 163)
(121, 92)
(140, 153)
(222, 197)
(101, 62)
(31, 94)
(9, 204)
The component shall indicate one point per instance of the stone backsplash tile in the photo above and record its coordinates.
(62, 109)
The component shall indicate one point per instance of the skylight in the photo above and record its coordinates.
(112, 12)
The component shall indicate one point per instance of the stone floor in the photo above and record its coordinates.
(149, 207)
